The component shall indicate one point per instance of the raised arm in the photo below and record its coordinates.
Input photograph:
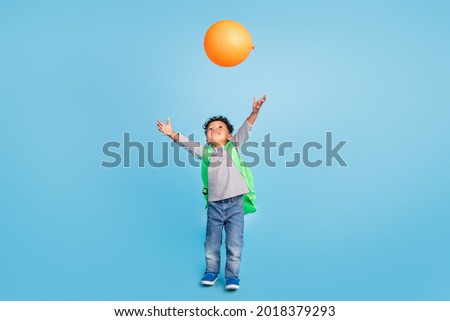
(255, 109)
(193, 147)
(243, 133)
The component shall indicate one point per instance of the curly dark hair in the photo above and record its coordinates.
(220, 118)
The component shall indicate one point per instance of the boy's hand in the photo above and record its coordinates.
(166, 129)
(255, 109)
(257, 104)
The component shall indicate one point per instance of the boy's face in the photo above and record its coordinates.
(217, 133)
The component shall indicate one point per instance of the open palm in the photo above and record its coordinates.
(258, 103)
(166, 129)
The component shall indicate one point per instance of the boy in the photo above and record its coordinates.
(226, 189)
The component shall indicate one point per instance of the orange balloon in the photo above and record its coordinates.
(227, 43)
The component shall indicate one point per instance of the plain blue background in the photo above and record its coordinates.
(77, 74)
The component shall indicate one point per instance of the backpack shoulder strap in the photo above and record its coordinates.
(206, 158)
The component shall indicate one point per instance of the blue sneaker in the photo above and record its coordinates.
(210, 278)
(232, 283)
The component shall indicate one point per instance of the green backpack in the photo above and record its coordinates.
(249, 198)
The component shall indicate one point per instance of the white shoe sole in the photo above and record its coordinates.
(232, 287)
(209, 282)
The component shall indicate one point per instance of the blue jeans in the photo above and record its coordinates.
(228, 214)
